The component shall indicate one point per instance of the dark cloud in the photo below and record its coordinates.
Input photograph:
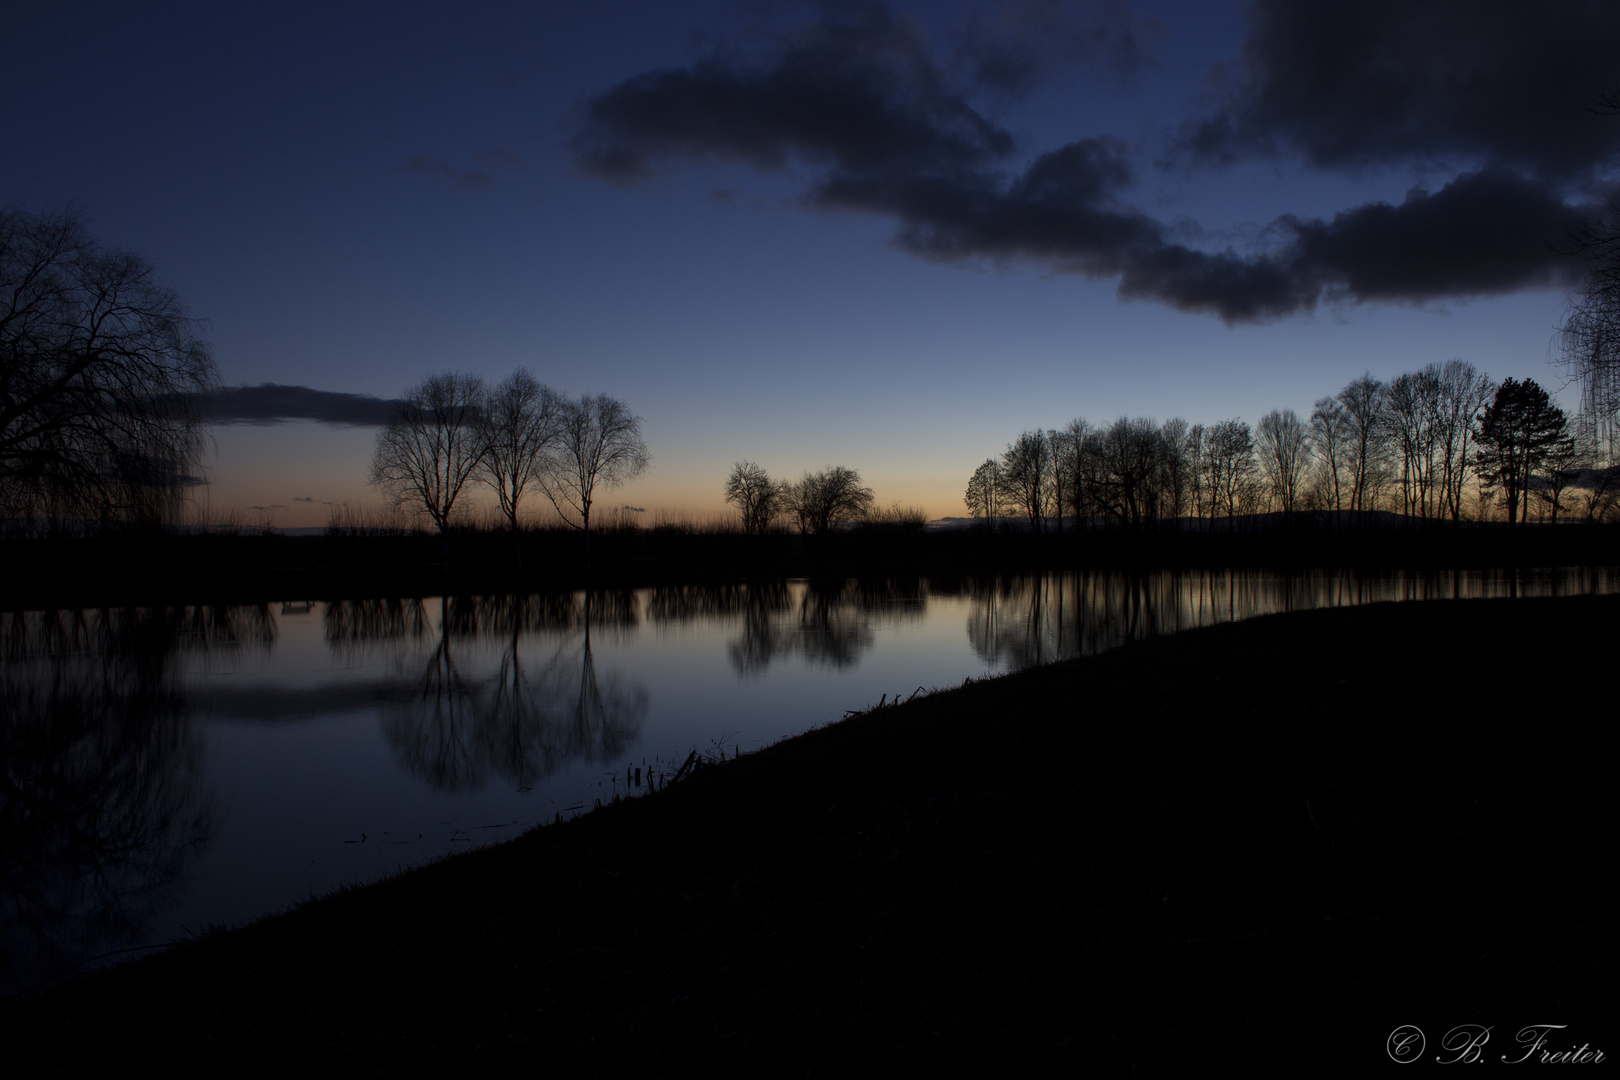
(1484, 233)
(859, 93)
(271, 403)
(303, 498)
(1014, 48)
(858, 99)
(1349, 83)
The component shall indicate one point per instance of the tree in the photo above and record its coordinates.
(1463, 392)
(1285, 455)
(1230, 469)
(1518, 430)
(1127, 456)
(1175, 469)
(1409, 410)
(521, 422)
(1363, 402)
(823, 500)
(1026, 473)
(598, 443)
(759, 498)
(1330, 437)
(1561, 470)
(432, 447)
(983, 495)
(102, 378)
(1077, 437)
(1590, 336)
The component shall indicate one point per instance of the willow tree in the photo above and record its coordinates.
(102, 379)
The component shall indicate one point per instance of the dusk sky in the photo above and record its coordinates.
(889, 237)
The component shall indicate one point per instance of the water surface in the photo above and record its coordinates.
(167, 770)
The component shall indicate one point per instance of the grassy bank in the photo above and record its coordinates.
(1267, 844)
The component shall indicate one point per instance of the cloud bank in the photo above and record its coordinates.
(273, 403)
(858, 98)
(1354, 83)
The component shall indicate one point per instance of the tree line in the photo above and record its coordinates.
(1418, 445)
(451, 430)
(817, 503)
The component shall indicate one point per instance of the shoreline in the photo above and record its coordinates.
(1094, 862)
(156, 569)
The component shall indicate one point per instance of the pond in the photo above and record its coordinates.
(168, 770)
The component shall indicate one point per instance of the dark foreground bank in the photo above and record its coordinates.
(1266, 844)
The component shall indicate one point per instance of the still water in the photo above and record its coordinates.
(167, 770)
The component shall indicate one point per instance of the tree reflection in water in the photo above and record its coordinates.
(102, 793)
(1020, 621)
(832, 624)
(456, 725)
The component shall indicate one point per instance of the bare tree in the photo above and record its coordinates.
(1590, 337)
(521, 421)
(1077, 433)
(1197, 451)
(1230, 468)
(1463, 394)
(598, 443)
(828, 498)
(102, 378)
(1175, 469)
(1331, 438)
(1409, 415)
(1061, 473)
(759, 498)
(1560, 470)
(432, 447)
(1124, 482)
(1026, 467)
(1363, 401)
(1285, 453)
(983, 495)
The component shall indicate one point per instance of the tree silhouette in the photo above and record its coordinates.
(433, 445)
(822, 500)
(1520, 428)
(1026, 476)
(759, 498)
(598, 443)
(1285, 456)
(102, 378)
(983, 495)
(522, 421)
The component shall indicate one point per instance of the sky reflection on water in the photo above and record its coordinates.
(167, 770)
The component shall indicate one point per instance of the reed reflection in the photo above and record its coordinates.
(103, 799)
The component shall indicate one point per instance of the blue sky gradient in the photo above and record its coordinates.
(355, 198)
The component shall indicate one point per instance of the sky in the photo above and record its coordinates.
(884, 236)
